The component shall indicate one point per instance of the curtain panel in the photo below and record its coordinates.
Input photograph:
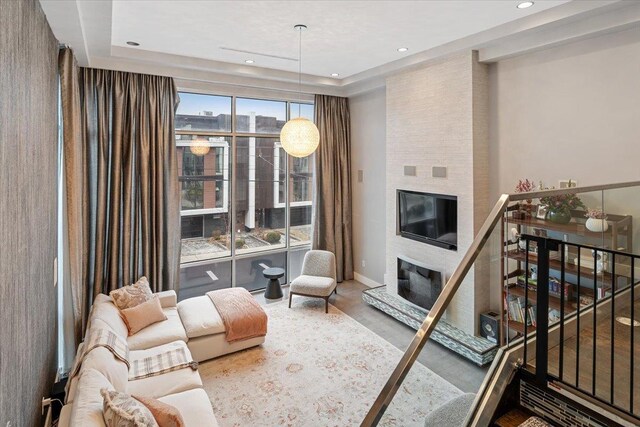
(332, 215)
(121, 180)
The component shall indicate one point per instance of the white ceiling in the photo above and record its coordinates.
(346, 37)
(357, 39)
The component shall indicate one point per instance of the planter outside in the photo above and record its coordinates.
(559, 216)
(597, 225)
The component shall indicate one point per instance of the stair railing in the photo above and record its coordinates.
(423, 334)
(620, 280)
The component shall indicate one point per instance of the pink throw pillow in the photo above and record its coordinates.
(143, 315)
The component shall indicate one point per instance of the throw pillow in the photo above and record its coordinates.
(165, 414)
(122, 410)
(143, 315)
(132, 295)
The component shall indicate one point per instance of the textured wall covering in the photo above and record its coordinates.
(438, 116)
(28, 162)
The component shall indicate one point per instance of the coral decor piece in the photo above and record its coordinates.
(525, 186)
(524, 211)
(317, 369)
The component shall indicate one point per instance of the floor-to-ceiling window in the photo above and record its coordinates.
(245, 204)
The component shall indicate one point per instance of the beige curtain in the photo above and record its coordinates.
(121, 180)
(75, 225)
(332, 216)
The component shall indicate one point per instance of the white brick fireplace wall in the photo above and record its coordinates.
(438, 116)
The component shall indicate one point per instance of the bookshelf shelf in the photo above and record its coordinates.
(554, 302)
(555, 264)
(519, 327)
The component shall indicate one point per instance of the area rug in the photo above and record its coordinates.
(317, 369)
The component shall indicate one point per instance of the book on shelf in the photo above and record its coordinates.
(518, 311)
(555, 286)
(532, 315)
(523, 313)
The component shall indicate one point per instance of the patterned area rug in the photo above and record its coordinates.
(317, 369)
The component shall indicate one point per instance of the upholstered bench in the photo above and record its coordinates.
(206, 331)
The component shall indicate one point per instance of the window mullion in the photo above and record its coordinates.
(234, 189)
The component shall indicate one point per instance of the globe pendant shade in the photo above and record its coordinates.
(299, 137)
(200, 147)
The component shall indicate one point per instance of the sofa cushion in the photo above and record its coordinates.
(142, 315)
(110, 314)
(313, 285)
(114, 370)
(210, 346)
(167, 298)
(64, 420)
(86, 410)
(200, 317)
(100, 298)
(167, 383)
(132, 295)
(122, 410)
(159, 333)
(195, 407)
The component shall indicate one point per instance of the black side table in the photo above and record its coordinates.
(274, 291)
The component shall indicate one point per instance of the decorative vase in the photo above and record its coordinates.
(559, 216)
(597, 225)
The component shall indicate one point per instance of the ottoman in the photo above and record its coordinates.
(205, 330)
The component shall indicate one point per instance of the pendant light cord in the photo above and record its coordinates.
(300, 74)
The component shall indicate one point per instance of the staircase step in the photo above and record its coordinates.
(535, 422)
(513, 418)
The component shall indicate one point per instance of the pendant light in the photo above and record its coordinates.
(299, 136)
(199, 147)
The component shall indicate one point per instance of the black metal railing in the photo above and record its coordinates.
(605, 298)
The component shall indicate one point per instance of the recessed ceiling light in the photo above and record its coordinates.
(525, 4)
(334, 74)
(403, 49)
(249, 61)
(130, 43)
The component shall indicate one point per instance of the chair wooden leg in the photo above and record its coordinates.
(326, 305)
(335, 290)
(290, 295)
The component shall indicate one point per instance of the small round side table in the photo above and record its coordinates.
(274, 290)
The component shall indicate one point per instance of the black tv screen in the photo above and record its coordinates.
(429, 218)
(418, 285)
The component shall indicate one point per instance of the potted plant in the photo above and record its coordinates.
(596, 220)
(560, 206)
(524, 210)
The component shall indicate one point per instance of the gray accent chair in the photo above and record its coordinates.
(318, 278)
(451, 414)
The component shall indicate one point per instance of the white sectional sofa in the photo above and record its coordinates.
(193, 324)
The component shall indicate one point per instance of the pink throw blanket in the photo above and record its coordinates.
(241, 314)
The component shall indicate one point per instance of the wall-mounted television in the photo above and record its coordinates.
(428, 218)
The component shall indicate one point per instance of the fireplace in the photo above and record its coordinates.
(418, 284)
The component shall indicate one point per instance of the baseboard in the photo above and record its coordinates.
(365, 280)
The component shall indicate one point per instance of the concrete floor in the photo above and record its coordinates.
(459, 371)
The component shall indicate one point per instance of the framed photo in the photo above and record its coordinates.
(542, 211)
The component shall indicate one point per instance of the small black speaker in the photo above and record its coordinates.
(490, 326)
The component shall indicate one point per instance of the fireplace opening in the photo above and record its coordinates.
(418, 284)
